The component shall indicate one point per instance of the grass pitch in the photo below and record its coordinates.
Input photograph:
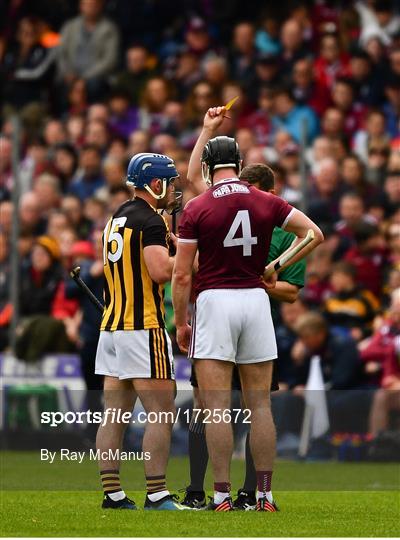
(316, 499)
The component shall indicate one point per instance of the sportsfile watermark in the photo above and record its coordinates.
(114, 415)
(51, 443)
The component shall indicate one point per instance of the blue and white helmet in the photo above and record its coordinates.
(144, 167)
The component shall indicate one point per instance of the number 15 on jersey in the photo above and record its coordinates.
(113, 239)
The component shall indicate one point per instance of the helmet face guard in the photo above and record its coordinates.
(174, 205)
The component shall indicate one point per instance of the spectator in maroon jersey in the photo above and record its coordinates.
(77, 97)
(331, 63)
(242, 109)
(368, 256)
(353, 176)
(260, 120)
(197, 37)
(325, 193)
(352, 212)
(316, 287)
(305, 89)
(343, 97)
(381, 356)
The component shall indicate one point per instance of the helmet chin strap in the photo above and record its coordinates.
(162, 194)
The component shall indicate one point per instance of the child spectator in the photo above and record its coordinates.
(349, 308)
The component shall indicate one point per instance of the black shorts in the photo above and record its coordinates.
(236, 379)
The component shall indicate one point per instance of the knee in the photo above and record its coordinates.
(167, 407)
(215, 399)
(258, 400)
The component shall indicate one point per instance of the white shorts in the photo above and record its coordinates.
(135, 354)
(233, 325)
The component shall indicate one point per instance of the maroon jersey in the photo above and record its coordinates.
(232, 223)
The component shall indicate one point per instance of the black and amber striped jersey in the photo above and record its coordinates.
(132, 300)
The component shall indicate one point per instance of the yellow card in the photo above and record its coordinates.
(231, 102)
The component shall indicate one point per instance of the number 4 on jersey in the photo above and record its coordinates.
(242, 218)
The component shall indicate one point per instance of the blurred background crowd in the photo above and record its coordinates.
(94, 82)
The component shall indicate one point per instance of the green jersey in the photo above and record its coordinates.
(294, 274)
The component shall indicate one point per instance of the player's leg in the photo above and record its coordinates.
(256, 382)
(246, 495)
(198, 453)
(145, 357)
(246, 499)
(117, 395)
(213, 348)
(256, 349)
(157, 397)
(215, 380)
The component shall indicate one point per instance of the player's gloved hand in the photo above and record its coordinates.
(183, 334)
(214, 118)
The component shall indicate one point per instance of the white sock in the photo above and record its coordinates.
(268, 494)
(219, 497)
(157, 496)
(117, 496)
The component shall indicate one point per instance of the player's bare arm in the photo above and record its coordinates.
(299, 224)
(284, 292)
(212, 121)
(159, 263)
(181, 287)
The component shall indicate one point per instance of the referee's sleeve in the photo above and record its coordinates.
(155, 232)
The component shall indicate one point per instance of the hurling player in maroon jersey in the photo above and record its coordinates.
(230, 225)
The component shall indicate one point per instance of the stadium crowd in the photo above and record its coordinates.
(96, 82)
